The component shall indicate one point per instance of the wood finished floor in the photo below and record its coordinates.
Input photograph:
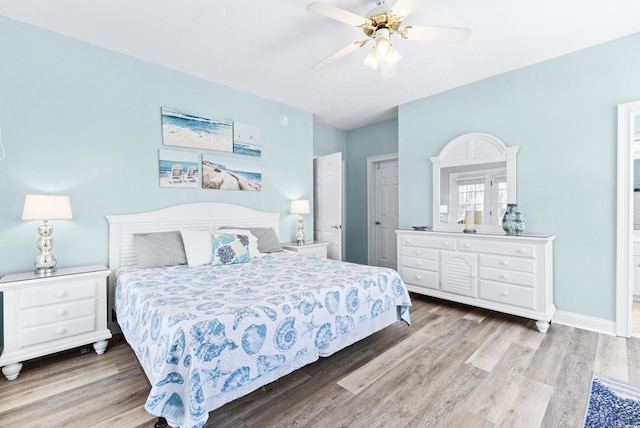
(456, 366)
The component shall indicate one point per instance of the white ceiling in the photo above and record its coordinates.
(267, 48)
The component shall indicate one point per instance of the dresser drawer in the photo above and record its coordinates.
(429, 241)
(55, 331)
(57, 293)
(56, 313)
(508, 276)
(423, 278)
(511, 295)
(421, 253)
(498, 247)
(508, 263)
(417, 263)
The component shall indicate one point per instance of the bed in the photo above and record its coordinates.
(209, 332)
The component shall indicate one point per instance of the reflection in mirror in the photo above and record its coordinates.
(474, 179)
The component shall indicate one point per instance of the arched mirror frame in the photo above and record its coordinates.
(467, 150)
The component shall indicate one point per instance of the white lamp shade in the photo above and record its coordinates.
(46, 207)
(300, 206)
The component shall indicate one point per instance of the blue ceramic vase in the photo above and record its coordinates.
(513, 220)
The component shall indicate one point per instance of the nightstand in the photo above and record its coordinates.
(47, 314)
(309, 248)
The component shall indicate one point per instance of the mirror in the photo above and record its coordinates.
(474, 178)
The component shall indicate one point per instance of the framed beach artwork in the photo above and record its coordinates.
(196, 131)
(231, 172)
(179, 169)
(247, 139)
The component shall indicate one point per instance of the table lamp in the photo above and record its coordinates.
(299, 207)
(45, 208)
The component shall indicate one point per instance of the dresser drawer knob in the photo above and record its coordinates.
(60, 293)
(418, 263)
(504, 262)
(447, 244)
(504, 293)
(60, 330)
(467, 245)
(522, 250)
(61, 312)
(418, 277)
(504, 276)
(418, 253)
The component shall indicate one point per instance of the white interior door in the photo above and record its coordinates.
(383, 211)
(327, 201)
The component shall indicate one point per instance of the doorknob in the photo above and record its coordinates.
(378, 223)
(337, 226)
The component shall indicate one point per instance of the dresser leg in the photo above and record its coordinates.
(100, 346)
(543, 326)
(12, 371)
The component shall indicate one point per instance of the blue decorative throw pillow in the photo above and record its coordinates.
(229, 248)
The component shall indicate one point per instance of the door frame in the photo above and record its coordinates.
(371, 162)
(624, 230)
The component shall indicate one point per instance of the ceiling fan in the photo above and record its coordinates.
(383, 22)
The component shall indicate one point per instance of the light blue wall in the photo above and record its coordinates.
(83, 121)
(328, 140)
(373, 140)
(563, 115)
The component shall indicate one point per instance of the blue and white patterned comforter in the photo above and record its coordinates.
(203, 332)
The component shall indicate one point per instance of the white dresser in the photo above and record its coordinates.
(511, 274)
(47, 314)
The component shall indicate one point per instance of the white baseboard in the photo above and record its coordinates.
(584, 322)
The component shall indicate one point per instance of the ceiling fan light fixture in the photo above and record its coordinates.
(371, 60)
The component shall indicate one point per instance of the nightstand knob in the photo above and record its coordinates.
(60, 330)
(60, 293)
(61, 312)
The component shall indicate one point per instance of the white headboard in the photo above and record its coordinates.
(196, 216)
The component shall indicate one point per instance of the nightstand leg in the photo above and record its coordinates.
(100, 346)
(12, 371)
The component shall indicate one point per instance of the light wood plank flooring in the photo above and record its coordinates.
(456, 366)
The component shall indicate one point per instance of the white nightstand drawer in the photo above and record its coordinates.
(508, 294)
(56, 331)
(57, 313)
(57, 293)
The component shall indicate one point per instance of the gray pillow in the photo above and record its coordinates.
(268, 241)
(159, 249)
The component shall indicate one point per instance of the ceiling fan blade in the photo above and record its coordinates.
(341, 53)
(404, 7)
(431, 33)
(336, 13)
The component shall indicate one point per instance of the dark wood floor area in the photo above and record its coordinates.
(456, 366)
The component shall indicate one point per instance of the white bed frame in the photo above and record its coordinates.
(195, 216)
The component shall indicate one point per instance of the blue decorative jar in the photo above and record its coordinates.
(513, 220)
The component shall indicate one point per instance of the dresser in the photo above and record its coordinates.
(47, 314)
(309, 248)
(510, 274)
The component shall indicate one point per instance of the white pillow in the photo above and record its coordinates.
(253, 241)
(198, 246)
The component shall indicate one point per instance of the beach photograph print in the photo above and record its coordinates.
(179, 169)
(230, 172)
(198, 132)
(246, 139)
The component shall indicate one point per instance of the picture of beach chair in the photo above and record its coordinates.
(191, 176)
(175, 176)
